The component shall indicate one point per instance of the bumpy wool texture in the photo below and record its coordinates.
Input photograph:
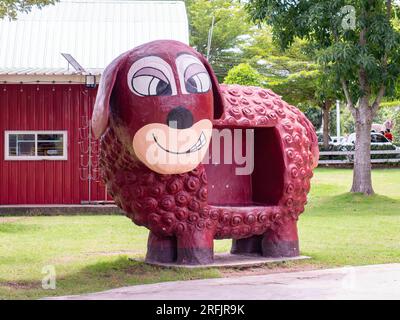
(174, 204)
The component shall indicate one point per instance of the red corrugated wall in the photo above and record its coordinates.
(48, 107)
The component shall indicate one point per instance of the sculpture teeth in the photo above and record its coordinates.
(199, 144)
(202, 138)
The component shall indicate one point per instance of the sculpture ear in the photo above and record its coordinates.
(101, 111)
(218, 101)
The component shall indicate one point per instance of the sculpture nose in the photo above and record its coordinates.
(180, 118)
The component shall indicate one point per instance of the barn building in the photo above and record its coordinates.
(48, 155)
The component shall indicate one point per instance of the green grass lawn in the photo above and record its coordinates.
(90, 253)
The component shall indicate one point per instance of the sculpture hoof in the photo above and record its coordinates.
(280, 248)
(195, 256)
(161, 250)
(161, 256)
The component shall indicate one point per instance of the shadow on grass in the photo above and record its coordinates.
(106, 275)
(356, 203)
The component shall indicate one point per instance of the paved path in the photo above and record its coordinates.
(367, 282)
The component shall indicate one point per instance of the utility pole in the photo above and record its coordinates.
(338, 120)
(210, 34)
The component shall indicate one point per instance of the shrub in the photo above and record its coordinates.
(245, 75)
(384, 147)
(335, 147)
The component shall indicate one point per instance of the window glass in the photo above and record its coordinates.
(50, 145)
(22, 145)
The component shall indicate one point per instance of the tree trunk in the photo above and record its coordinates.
(326, 108)
(362, 181)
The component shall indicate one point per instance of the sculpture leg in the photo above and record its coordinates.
(281, 242)
(250, 245)
(161, 250)
(195, 247)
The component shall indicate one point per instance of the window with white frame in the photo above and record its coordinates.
(35, 145)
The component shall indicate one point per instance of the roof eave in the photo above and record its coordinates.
(44, 78)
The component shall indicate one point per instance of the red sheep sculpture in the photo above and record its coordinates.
(165, 87)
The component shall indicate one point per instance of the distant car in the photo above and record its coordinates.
(378, 142)
(376, 138)
(320, 136)
(333, 141)
(333, 146)
(339, 140)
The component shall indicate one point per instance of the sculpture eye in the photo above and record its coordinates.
(151, 76)
(151, 82)
(193, 75)
(197, 79)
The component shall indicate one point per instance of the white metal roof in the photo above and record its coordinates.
(94, 32)
(46, 71)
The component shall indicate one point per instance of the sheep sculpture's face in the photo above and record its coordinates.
(162, 100)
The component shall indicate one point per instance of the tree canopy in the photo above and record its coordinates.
(357, 41)
(10, 8)
(293, 74)
(231, 27)
(347, 49)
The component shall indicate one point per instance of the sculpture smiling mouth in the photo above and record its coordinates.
(201, 142)
(169, 150)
